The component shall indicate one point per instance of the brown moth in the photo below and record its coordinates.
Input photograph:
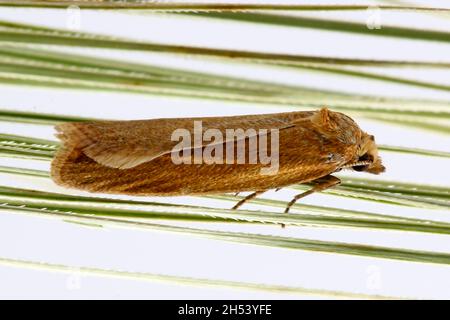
(135, 157)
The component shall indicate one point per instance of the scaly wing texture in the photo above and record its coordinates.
(305, 154)
(126, 144)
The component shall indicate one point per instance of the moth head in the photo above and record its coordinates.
(335, 125)
(368, 159)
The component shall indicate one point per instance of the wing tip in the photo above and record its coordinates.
(77, 134)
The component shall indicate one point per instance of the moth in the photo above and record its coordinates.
(136, 157)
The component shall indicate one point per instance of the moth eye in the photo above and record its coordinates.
(330, 157)
(372, 138)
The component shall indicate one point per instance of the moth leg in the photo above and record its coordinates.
(321, 184)
(236, 194)
(249, 197)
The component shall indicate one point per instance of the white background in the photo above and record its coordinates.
(56, 241)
